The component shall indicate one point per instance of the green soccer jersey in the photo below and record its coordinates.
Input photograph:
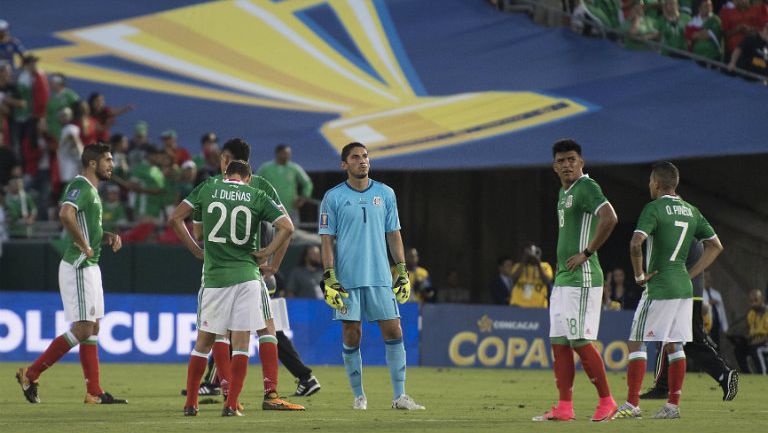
(287, 179)
(577, 209)
(85, 198)
(231, 215)
(257, 182)
(671, 224)
(149, 176)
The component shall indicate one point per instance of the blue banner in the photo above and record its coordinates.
(161, 328)
(510, 337)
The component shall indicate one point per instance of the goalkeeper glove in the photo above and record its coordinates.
(334, 293)
(402, 285)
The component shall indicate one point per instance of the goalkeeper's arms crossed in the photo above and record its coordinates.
(401, 284)
(334, 292)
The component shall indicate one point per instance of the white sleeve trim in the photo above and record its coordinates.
(196, 222)
(641, 232)
(601, 205)
(281, 216)
(709, 238)
(189, 203)
(71, 204)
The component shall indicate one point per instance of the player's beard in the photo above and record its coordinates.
(104, 175)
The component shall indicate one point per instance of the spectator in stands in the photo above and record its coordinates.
(148, 182)
(714, 299)
(672, 28)
(10, 101)
(70, 148)
(119, 145)
(757, 320)
(171, 173)
(531, 279)
(208, 160)
(704, 33)
(171, 146)
(304, 280)
(617, 294)
(3, 222)
(752, 54)
(501, 288)
(8, 161)
(21, 211)
(421, 283)
(287, 177)
(638, 28)
(10, 47)
(104, 115)
(602, 13)
(759, 13)
(30, 118)
(87, 123)
(737, 20)
(113, 214)
(140, 141)
(61, 97)
(453, 290)
(186, 182)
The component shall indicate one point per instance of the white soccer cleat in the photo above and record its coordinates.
(628, 411)
(360, 403)
(668, 411)
(406, 403)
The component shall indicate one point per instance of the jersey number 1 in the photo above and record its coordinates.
(365, 215)
(212, 236)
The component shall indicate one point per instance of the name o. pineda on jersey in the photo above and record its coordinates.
(224, 194)
(679, 210)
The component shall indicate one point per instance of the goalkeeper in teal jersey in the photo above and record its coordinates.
(667, 225)
(233, 297)
(360, 216)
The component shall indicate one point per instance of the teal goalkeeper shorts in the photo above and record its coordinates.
(369, 303)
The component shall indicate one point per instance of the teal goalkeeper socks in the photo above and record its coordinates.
(396, 363)
(353, 364)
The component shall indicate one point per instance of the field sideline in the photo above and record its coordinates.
(474, 400)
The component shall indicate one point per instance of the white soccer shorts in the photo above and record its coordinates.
(81, 292)
(574, 312)
(242, 307)
(667, 320)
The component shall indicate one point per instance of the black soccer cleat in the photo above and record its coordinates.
(307, 387)
(206, 389)
(103, 398)
(730, 385)
(190, 411)
(654, 394)
(28, 387)
(228, 411)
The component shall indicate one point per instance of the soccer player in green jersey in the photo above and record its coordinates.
(233, 298)
(80, 278)
(585, 220)
(669, 224)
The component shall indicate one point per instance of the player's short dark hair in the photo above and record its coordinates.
(208, 136)
(666, 174)
(93, 152)
(116, 139)
(238, 167)
(239, 148)
(348, 148)
(281, 147)
(500, 261)
(566, 145)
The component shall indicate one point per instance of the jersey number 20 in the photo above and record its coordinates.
(213, 235)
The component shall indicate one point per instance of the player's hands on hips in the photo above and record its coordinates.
(334, 293)
(402, 285)
(574, 262)
(645, 278)
(88, 251)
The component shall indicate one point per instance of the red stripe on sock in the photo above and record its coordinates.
(89, 360)
(594, 367)
(635, 374)
(565, 370)
(676, 378)
(58, 348)
(268, 356)
(239, 371)
(195, 370)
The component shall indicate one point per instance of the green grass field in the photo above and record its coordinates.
(456, 399)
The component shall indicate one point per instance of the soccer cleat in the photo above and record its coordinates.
(605, 412)
(228, 411)
(730, 385)
(28, 387)
(360, 403)
(104, 398)
(627, 411)
(668, 411)
(190, 411)
(654, 393)
(406, 403)
(556, 414)
(205, 389)
(273, 402)
(307, 387)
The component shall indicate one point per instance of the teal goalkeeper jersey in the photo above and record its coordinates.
(671, 225)
(231, 214)
(577, 209)
(85, 199)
